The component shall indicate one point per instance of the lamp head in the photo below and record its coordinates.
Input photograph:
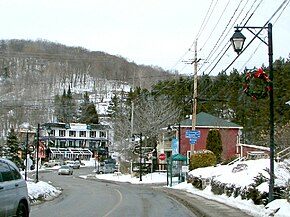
(237, 41)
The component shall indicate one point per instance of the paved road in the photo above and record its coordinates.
(92, 198)
(109, 199)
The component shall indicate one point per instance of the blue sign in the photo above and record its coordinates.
(192, 141)
(192, 134)
(175, 146)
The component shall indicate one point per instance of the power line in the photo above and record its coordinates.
(273, 15)
(214, 49)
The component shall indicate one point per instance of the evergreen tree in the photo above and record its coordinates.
(113, 107)
(65, 107)
(70, 107)
(214, 143)
(58, 111)
(11, 148)
(88, 112)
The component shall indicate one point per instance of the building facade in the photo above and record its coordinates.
(229, 131)
(75, 140)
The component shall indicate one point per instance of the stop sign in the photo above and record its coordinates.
(162, 156)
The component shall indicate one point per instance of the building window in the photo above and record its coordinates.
(71, 143)
(62, 144)
(52, 133)
(62, 133)
(92, 145)
(83, 134)
(103, 134)
(81, 143)
(72, 133)
(93, 134)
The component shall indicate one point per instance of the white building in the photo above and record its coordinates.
(75, 140)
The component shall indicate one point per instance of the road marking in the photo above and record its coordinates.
(117, 205)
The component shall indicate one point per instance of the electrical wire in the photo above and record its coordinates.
(214, 7)
(218, 21)
(214, 49)
(204, 20)
(273, 15)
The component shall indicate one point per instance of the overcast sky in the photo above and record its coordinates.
(151, 32)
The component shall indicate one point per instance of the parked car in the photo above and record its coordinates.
(52, 163)
(73, 164)
(13, 191)
(76, 165)
(65, 170)
(106, 168)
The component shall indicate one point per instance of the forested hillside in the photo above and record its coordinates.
(32, 73)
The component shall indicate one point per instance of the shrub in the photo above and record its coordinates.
(259, 179)
(202, 159)
(214, 143)
(217, 188)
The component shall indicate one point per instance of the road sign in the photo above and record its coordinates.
(192, 141)
(192, 134)
(162, 156)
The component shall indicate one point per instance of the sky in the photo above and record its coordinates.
(222, 173)
(152, 32)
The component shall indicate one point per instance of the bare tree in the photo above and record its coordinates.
(153, 113)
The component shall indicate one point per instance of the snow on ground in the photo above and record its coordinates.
(221, 173)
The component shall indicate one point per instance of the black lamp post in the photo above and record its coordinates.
(26, 152)
(237, 41)
(37, 152)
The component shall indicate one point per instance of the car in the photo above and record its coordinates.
(76, 165)
(52, 163)
(73, 164)
(106, 168)
(13, 191)
(65, 170)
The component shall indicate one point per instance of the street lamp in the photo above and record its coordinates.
(37, 152)
(237, 41)
(26, 152)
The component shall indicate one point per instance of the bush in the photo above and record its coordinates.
(217, 188)
(202, 159)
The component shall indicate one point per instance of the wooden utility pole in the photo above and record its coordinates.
(194, 98)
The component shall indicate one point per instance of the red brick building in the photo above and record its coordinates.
(204, 123)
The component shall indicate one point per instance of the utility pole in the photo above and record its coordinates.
(194, 100)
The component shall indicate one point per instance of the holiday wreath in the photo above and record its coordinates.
(256, 84)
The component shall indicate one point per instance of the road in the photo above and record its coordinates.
(93, 198)
(96, 198)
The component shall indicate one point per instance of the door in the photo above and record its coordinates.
(8, 190)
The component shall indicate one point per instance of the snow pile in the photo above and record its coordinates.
(41, 191)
